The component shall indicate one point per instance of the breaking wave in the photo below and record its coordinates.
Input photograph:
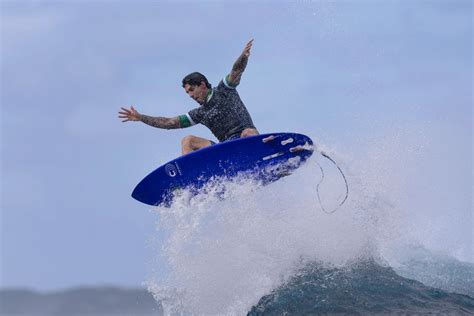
(239, 246)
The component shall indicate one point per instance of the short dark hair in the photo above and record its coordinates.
(195, 79)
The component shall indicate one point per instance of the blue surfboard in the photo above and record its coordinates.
(268, 161)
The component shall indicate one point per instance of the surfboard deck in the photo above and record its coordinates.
(266, 161)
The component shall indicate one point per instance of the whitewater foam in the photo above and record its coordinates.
(238, 240)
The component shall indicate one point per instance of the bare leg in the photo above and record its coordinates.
(248, 132)
(191, 143)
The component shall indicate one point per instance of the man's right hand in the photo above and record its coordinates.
(129, 114)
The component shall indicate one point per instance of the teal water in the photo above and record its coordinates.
(363, 288)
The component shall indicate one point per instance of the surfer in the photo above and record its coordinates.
(220, 108)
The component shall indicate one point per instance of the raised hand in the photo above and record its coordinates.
(129, 114)
(240, 64)
(246, 51)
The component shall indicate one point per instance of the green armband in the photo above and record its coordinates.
(229, 83)
(184, 121)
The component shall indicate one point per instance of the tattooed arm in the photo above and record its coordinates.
(159, 122)
(240, 64)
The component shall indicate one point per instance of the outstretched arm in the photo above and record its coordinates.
(240, 64)
(159, 122)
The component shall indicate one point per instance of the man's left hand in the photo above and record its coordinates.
(247, 48)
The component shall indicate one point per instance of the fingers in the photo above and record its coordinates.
(127, 110)
(132, 109)
(126, 118)
(126, 114)
(249, 45)
(247, 48)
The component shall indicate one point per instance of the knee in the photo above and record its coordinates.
(248, 132)
(187, 141)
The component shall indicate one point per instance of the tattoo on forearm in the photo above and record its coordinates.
(160, 122)
(240, 64)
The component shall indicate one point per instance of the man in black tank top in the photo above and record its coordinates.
(221, 109)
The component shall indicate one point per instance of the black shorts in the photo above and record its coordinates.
(233, 136)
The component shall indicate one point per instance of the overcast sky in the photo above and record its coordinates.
(351, 74)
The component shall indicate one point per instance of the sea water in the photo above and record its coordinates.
(239, 246)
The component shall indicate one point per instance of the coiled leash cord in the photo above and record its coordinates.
(322, 178)
(312, 148)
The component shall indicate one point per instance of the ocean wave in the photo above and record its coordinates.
(238, 246)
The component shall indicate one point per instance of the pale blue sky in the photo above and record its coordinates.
(349, 73)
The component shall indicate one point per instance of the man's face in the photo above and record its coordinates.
(198, 93)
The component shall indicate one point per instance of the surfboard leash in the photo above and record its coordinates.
(322, 178)
(312, 148)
